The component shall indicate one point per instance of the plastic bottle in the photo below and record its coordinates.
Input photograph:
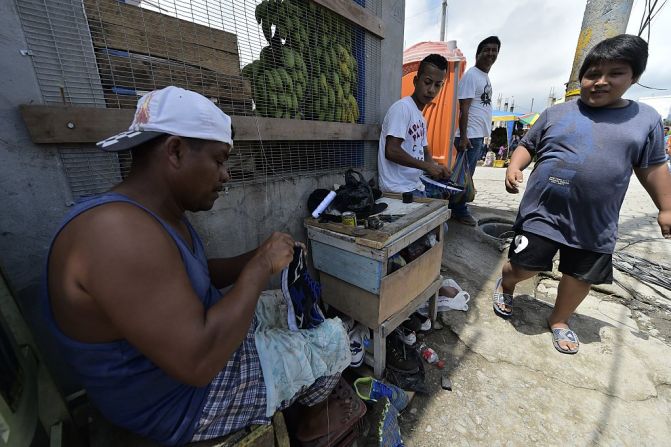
(428, 354)
(325, 203)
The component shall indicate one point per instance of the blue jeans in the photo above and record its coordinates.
(473, 155)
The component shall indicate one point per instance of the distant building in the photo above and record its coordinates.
(660, 103)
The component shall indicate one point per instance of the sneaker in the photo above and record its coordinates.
(371, 389)
(359, 339)
(406, 335)
(301, 294)
(413, 323)
(466, 220)
(384, 430)
(424, 322)
(398, 358)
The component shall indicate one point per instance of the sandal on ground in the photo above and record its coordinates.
(505, 299)
(564, 334)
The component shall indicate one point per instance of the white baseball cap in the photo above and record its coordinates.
(173, 111)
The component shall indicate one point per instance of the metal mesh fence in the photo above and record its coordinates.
(90, 171)
(271, 59)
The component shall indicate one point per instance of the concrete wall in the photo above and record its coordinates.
(34, 191)
(31, 197)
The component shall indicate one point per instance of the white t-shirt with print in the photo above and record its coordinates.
(403, 120)
(475, 84)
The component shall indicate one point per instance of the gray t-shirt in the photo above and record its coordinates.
(585, 157)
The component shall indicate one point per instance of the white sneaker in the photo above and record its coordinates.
(407, 336)
(426, 324)
(359, 338)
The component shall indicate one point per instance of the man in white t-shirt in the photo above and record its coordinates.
(404, 151)
(475, 118)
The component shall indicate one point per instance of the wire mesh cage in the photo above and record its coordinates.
(290, 59)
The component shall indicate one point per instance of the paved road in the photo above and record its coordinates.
(510, 387)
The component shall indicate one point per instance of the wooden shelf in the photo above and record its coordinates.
(68, 124)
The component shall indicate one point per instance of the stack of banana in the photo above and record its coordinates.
(307, 71)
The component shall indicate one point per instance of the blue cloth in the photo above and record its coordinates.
(418, 193)
(294, 360)
(460, 209)
(127, 387)
(585, 157)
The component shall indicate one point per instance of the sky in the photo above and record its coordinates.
(538, 41)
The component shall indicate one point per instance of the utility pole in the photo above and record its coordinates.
(602, 19)
(443, 21)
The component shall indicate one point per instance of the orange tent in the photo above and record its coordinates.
(441, 114)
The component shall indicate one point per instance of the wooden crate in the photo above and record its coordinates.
(395, 291)
(126, 76)
(120, 26)
(353, 268)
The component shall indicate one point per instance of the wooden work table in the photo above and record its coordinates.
(353, 267)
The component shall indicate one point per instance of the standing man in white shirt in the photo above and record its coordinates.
(475, 118)
(404, 150)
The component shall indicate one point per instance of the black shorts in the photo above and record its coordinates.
(532, 252)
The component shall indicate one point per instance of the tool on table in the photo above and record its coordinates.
(389, 217)
(373, 223)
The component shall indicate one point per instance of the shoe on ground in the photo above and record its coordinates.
(413, 323)
(424, 322)
(301, 294)
(407, 336)
(466, 220)
(384, 430)
(370, 389)
(398, 358)
(359, 338)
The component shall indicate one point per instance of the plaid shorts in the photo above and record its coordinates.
(237, 395)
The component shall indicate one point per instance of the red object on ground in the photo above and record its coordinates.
(441, 364)
(430, 355)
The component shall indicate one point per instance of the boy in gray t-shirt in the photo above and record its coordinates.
(585, 153)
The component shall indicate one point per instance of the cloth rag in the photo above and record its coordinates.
(293, 360)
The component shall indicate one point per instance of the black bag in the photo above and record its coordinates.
(355, 195)
(358, 196)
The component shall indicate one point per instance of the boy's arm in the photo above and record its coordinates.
(518, 163)
(464, 107)
(394, 152)
(657, 181)
(442, 171)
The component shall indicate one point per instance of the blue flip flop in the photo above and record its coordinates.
(502, 298)
(564, 334)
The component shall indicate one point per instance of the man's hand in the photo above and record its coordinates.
(436, 170)
(664, 220)
(513, 179)
(277, 251)
(464, 144)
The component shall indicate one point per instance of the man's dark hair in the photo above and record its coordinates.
(436, 60)
(625, 48)
(490, 39)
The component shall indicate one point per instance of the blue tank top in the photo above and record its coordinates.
(126, 386)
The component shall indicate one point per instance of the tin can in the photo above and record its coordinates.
(349, 219)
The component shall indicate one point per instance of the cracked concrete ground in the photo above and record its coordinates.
(510, 386)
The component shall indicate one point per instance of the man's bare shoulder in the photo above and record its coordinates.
(115, 221)
(118, 239)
